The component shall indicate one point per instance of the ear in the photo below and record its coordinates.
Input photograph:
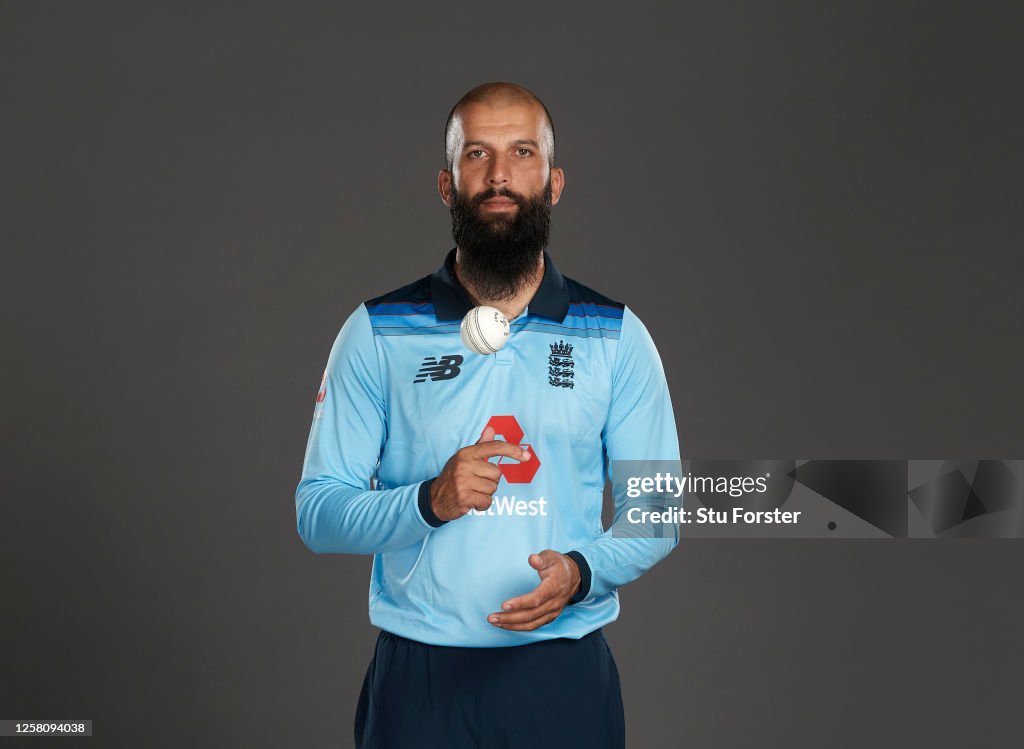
(444, 186)
(557, 183)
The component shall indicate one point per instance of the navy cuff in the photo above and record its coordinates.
(581, 562)
(425, 508)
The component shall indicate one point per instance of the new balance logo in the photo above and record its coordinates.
(444, 368)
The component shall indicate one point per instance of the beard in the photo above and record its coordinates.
(498, 255)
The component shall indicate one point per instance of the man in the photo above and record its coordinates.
(491, 579)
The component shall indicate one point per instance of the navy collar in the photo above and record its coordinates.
(452, 303)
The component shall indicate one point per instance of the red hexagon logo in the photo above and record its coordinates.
(515, 472)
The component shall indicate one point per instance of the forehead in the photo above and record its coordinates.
(501, 120)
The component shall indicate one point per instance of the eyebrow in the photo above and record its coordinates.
(521, 141)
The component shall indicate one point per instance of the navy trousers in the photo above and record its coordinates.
(555, 694)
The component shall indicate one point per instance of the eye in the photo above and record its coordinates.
(475, 154)
(524, 152)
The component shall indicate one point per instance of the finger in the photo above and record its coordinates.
(547, 590)
(487, 435)
(485, 470)
(471, 501)
(531, 625)
(523, 616)
(482, 485)
(485, 450)
(545, 559)
(480, 501)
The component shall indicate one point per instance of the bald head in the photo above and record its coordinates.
(496, 94)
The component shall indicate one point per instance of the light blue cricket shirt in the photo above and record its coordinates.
(579, 381)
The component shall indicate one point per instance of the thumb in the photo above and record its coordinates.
(487, 435)
(537, 562)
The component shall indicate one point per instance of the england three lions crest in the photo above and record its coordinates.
(561, 365)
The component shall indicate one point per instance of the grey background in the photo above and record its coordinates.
(815, 207)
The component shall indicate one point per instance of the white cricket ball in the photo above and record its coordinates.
(484, 330)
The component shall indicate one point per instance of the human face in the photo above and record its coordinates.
(499, 255)
(499, 148)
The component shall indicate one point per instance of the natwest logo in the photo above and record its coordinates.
(514, 472)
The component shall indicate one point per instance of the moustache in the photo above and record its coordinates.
(502, 193)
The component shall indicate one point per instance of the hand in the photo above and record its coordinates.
(468, 480)
(559, 581)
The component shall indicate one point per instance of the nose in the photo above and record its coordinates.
(498, 171)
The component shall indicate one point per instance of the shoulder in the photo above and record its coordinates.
(402, 311)
(393, 313)
(592, 313)
(615, 319)
(584, 296)
(586, 302)
(415, 293)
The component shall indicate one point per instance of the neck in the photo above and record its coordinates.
(512, 306)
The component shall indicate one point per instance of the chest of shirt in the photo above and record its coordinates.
(542, 387)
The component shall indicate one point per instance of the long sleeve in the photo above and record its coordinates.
(336, 510)
(640, 427)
